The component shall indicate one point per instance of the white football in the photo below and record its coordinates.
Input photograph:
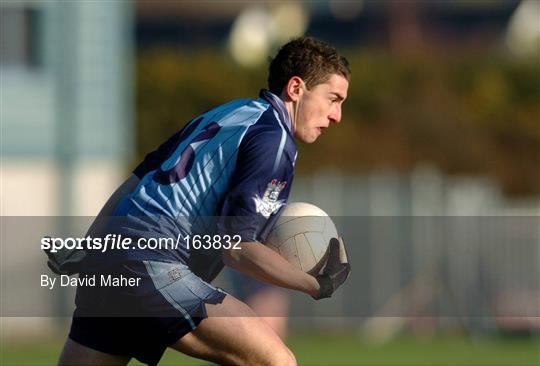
(301, 235)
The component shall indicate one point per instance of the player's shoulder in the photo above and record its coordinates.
(237, 112)
(261, 123)
(269, 126)
(269, 134)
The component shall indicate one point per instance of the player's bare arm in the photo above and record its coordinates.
(262, 263)
(256, 260)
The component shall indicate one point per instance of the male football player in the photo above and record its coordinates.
(223, 177)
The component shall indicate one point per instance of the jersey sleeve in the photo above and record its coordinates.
(154, 159)
(260, 186)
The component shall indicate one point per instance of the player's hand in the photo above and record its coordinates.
(336, 269)
(65, 261)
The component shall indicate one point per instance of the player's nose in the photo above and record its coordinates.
(335, 114)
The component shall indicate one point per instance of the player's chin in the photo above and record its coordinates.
(313, 136)
(310, 139)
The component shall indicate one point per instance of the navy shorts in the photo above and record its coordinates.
(139, 308)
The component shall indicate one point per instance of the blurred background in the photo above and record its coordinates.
(433, 176)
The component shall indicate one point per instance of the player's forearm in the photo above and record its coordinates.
(258, 261)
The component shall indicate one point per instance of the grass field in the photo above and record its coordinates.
(332, 350)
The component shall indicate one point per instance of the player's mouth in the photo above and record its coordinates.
(320, 129)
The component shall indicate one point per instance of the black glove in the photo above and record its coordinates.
(65, 261)
(336, 269)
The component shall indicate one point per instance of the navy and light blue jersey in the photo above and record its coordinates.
(228, 171)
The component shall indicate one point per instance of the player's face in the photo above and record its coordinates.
(319, 107)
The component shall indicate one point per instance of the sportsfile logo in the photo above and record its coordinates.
(269, 203)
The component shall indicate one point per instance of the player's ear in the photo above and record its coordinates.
(294, 88)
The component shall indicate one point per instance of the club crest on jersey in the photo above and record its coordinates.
(175, 274)
(269, 203)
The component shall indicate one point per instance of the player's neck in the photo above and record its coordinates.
(289, 106)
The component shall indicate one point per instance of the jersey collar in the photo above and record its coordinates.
(278, 105)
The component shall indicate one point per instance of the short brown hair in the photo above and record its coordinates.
(309, 58)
